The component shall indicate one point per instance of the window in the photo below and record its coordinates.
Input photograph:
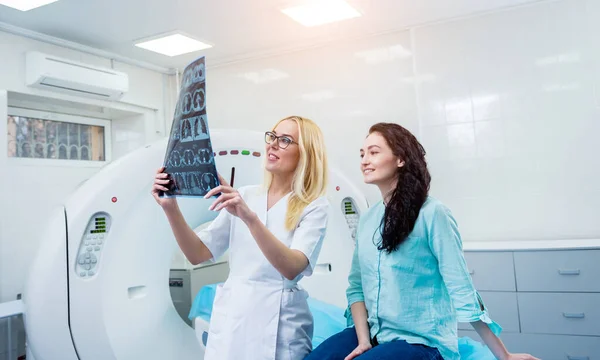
(38, 135)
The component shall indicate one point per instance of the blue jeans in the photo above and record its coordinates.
(340, 345)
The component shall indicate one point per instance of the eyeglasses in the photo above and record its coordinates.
(282, 141)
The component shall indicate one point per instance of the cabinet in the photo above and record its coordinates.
(545, 295)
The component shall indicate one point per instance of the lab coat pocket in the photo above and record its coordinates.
(219, 314)
(296, 325)
(295, 298)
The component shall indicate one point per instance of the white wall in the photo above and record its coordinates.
(506, 104)
(512, 119)
(344, 88)
(30, 192)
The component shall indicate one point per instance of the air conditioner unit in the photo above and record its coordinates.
(57, 74)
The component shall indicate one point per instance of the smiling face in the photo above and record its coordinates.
(378, 165)
(282, 161)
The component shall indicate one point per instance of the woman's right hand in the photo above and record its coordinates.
(360, 349)
(161, 181)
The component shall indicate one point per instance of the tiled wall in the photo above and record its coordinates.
(511, 120)
(507, 105)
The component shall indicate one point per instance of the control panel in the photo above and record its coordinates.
(351, 213)
(91, 245)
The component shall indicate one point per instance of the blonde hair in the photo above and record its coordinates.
(311, 175)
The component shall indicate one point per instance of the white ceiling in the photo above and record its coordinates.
(238, 28)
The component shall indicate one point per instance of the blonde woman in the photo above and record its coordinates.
(274, 234)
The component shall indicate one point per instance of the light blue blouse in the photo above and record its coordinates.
(419, 292)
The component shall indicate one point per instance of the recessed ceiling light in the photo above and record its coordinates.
(321, 12)
(25, 5)
(173, 45)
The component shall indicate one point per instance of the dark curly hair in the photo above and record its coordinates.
(412, 187)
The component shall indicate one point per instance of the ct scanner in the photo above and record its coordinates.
(98, 287)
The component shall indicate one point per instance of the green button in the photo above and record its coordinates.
(245, 152)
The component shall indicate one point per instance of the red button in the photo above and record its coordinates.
(114, 199)
(337, 188)
(234, 152)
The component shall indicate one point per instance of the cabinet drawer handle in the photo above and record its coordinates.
(574, 315)
(569, 272)
(578, 357)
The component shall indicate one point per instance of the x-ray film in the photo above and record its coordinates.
(190, 158)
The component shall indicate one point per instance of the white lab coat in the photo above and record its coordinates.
(258, 314)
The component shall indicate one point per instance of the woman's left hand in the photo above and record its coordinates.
(230, 200)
